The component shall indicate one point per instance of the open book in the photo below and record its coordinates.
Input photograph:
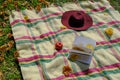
(83, 48)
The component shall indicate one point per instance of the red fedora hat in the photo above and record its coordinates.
(76, 20)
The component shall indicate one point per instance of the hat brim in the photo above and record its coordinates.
(87, 20)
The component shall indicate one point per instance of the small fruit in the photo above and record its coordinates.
(58, 45)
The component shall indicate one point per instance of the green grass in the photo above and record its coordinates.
(9, 67)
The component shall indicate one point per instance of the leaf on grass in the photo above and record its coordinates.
(3, 24)
(1, 75)
(2, 12)
(4, 4)
(1, 59)
(7, 47)
(38, 7)
(16, 54)
(2, 56)
(6, 18)
(16, 4)
(1, 32)
(46, 3)
(25, 3)
(10, 1)
(41, 0)
(29, 7)
(3, 47)
(10, 45)
(10, 35)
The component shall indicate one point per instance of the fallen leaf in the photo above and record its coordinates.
(29, 7)
(1, 75)
(1, 32)
(6, 18)
(109, 31)
(46, 3)
(25, 3)
(67, 70)
(26, 18)
(4, 4)
(3, 24)
(10, 1)
(10, 43)
(10, 35)
(3, 47)
(16, 54)
(15, 3)
(2, 56)
(2, 12)
(41, 0)
(38, 8)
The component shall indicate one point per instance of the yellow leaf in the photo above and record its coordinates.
(26, 17)
(109, 31)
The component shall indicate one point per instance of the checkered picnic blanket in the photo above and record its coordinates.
(35, 41)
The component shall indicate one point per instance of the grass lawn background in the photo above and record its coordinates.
(9, 68)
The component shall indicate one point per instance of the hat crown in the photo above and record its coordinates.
(76, 22)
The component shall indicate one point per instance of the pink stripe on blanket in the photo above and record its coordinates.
(36, 57)
(39, 37)
(32, 20)
(98, 9)
(50, 15)
(93, 70)
(55, 53)
(109, 23)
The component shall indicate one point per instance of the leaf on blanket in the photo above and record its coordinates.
(109, 31)
(67, 70)
(63, 27)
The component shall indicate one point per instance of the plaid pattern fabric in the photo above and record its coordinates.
(35, 42)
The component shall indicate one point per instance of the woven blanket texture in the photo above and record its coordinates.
(35, 41)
